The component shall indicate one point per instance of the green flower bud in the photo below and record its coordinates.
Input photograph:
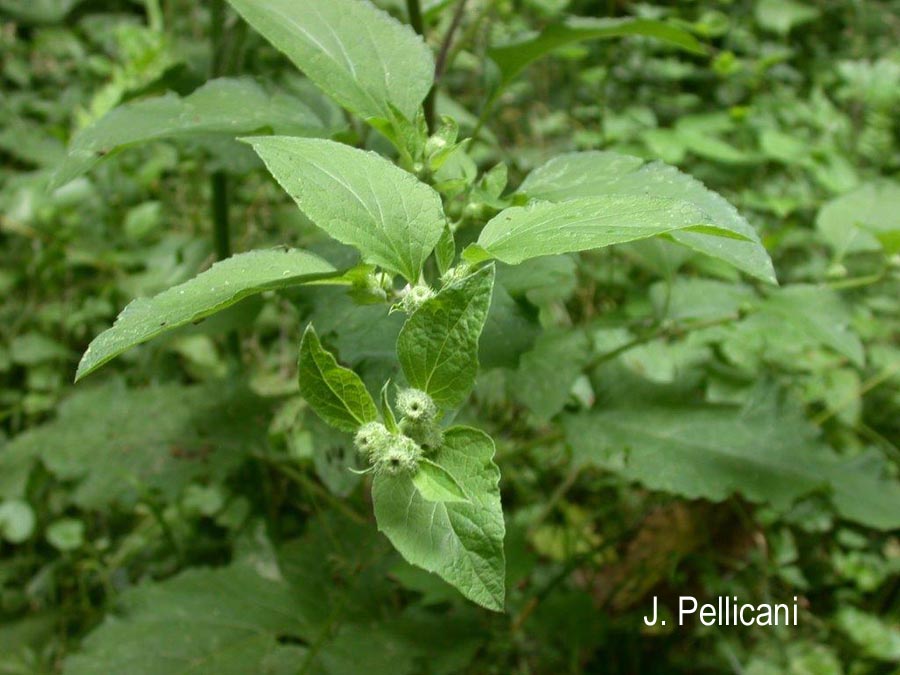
(402, 455)
(416, 405)
(414, 297)
(371, 439)
(461, 271)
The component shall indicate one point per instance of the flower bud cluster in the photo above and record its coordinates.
(395, 453)
(388, 452)
(419, 418)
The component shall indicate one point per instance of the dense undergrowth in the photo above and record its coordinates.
(668, 419)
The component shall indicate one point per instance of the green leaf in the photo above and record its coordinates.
(514, 57)
(438, 345)
(117, 445)
(547, 228)
(229, 107)
(17, 521)
(780, 16)
(390, 422)
(66, 534)
(38, 11)
(228, 621)
(461, 542)
(354, 52)
(766, 452)
(862, 220)
(877, 637)
(816, 313)
(436, 484)
(359, 198)
(221, 286)
(592, 174)
(508, 332)
(547, 372)
(337, 394)
(445, 251)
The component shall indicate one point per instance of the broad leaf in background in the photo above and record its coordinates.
(119, 445)
(785, 327)
(766, 452)
(780, 16)
(221, 286)
(544, 228)
(818, 313)
(227, 621)
(461, 542)
(546, 374)
(438, 345)
(359, 198)
(878, 637)
(867, 219)
(337, 394)
(38, 11)
(356, 53)
(514, 57)
(508, 331)
(228, 107)
(591, 174)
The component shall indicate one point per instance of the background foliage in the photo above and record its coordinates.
(665, 424)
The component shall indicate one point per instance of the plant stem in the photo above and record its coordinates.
(660, 332)
(221, 228)
(311, 486)
(415, 16)
(440, 64)
(218, 181)
(217, 36)
(414, 12)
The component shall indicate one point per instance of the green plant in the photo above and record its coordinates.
(490, 272)
(435, 490)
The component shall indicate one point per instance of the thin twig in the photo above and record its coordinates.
(311, 486)
(440, 65)
(662, 331)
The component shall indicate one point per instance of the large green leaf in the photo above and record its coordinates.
(438, 345)
(357, 54)
(229, 107)
(789, 327)
(359, 198)
(117, 445)
(592, 174)
(544, 228)
(766, 452)
(461, 542)
(221, 286)
(224, 621)
(514, 57)
(337, 394)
